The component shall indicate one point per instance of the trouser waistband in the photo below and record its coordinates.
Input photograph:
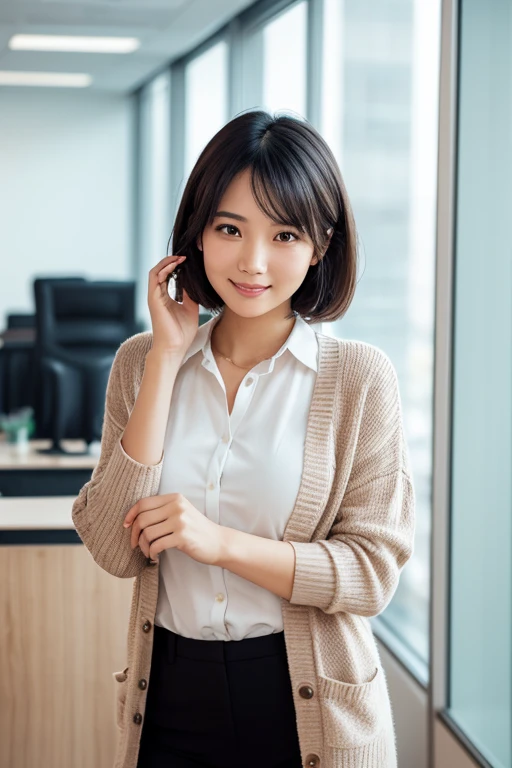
(221, 650)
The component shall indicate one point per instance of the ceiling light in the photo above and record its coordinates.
(73, 43)
(59, 79)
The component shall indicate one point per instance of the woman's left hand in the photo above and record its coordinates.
(170, 520)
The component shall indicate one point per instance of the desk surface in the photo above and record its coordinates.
(10, 459)
(36, 513)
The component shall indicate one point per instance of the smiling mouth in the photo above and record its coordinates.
(258, 289)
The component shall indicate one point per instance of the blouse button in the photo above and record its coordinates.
(219, 597)
(306, 692)
(248, 382)
(211, 486)
(225, 439)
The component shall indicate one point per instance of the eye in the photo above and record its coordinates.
(293, 234)
(231, 226)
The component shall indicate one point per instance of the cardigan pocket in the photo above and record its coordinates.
(121, 679)
(353, 715)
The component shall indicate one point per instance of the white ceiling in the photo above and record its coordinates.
(166, 29)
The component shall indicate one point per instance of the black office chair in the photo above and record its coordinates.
(80, 326)
(16, 362)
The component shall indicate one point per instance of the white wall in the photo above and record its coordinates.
(66, 164)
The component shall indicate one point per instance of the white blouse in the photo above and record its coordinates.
(241, 470)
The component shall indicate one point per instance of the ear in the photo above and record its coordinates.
(199, 244)
(329, 232)
(329, 236)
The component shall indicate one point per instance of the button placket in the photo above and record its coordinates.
(142, 684)
(219, 603)
(242, 401)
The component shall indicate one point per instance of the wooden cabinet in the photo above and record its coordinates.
(63, 632)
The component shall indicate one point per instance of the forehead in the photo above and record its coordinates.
(239, 188)
(238, 198)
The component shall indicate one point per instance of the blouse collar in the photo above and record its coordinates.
(301, 342)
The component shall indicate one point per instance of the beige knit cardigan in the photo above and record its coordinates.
(352, 529)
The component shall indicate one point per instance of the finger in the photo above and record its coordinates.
(166, 260)
(161, 279)
(144, 505)
(153, 532)
(146, 520)
(144, 548)
(164, 542)
(169, 268)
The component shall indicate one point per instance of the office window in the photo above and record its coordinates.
(275, 62)
(480, 681)
(155, 220)
(378, 112)
(206, 100)
(284, 61)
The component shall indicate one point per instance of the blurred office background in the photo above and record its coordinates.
(415, 99)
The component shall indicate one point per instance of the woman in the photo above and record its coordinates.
(254, 477)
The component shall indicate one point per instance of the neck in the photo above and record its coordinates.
(245, 339)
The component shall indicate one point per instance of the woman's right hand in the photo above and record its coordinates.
(174, 324)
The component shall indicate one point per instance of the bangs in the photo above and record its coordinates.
(286, 196)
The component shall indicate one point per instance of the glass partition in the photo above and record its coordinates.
(380, 72)
(153, 189)
(206, 100)
(480, 677)
(274, 61)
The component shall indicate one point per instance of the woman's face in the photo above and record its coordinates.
(253, 250)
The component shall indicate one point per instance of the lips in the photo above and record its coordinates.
(248, 292)
(251, 287)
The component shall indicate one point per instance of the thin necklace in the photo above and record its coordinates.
(243, 367)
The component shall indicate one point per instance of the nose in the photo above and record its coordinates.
(254, 258)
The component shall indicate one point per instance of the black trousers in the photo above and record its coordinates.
(217, 704)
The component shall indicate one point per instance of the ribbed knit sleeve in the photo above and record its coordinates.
(356, 569)
(118, 481)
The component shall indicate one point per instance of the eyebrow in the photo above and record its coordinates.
(238, 217)
(230, 215)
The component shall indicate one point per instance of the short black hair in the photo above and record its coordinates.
(296, 181)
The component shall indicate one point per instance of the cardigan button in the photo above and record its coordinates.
(143, 684)
(306, 692)
(312, 761)
(137, 718)
(146, 626)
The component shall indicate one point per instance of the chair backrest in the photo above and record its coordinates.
(79, 327)
(83, 314)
